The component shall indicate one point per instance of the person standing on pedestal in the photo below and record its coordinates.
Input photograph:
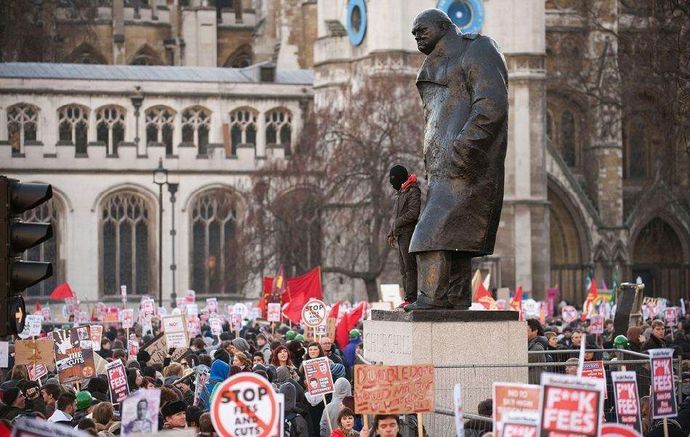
(463, 84)
(407, 205)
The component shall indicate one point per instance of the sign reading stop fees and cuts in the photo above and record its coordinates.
(244, 405)
(314, 313)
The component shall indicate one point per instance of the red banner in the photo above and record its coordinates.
(298, 291)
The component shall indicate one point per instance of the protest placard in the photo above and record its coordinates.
(569, 314)
(212, 305)
(192, 309)
(317, 374)
(34, 351)
(4, 354)
(571, 405)
(193, 326)
(513, 397)
(157, 348)
(117, 379)
(37, 371)
(74, 354)
(670, 316)
(32, 326)
(112, 314)
(216, 326)
(132, 348)
(27, 426)
(394, 389)
(236, 322)
(190, 297)
(175, 329)
(313, 313)
(662, 390)
(241, 309)
(45, 312)
(627, 399)
(273, 314)
(597, 325)
(127, 318)
(201, 375)
(140, 412)
(594, 369)
(96, 333)
(520, 424)
(619, 430)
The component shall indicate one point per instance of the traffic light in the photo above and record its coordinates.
(16, 237)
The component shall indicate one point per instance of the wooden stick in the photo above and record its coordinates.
(365, 421)
(328, 416)
(665, 427)
(420, 425)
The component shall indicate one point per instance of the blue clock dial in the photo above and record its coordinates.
(468, 15)
(356, 21)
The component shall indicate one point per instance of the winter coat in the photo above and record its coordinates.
(536, 344)
(408, 202)
(653, 343)
(291, 413)
(463, 84)
(219, 373)
(350, 352)
(342, 389)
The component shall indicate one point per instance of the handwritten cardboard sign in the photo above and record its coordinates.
(627, 399)
(317, 373)
(663, 398)
(175, 328)
(30, 351)
(157, 348)
(512, 397)
(571, 405)
(394, 389)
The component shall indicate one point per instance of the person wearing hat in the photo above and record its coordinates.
(290, 335)
(408, 202)
(350, 350)
(84, 400)
(263, 347)
(174, 415)
(13, 404)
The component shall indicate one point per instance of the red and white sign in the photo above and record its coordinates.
(236, 322)
(273, 312)
(244, 405)
(313, 313)
(127, 318)
(569, 314)
(212, 305)
(511, 397)
(132, 348)
(37, 371)
(216, 326)
(663, 398)
(571, 406)
(597, 325)
(594, 369)
(117, 378)
(627, 399)
(670, 316)
(193, 326)
(317, 374)
(517, 424)
(618, 430)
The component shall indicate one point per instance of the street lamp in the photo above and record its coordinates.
(172, 189)
(160, 178)
(137, 100)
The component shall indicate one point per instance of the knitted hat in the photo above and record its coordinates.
(172, 408)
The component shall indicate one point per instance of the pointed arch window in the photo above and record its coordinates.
(242, 127)
(110, 127)
(568, 138)
(48, 251)
(279, 128)
(160, 124)
(213, 246)
(636, 149)
(196, 125)
(22, 125)
(73, 126)
(126, 243)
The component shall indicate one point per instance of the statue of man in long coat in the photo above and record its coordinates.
(463, 84)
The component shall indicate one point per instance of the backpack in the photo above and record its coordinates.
(290, 425)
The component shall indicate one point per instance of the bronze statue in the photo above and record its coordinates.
(463, 84)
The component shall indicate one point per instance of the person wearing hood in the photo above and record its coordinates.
(264, 347)
(408, 203)
(219, 372)
(13, 404)
(293, 418)
(535, 342)
(342, 389)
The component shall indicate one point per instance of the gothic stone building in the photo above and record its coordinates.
(218, 89)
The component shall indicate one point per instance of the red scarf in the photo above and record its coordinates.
(411, 180)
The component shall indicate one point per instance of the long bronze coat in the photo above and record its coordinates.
(464, 88)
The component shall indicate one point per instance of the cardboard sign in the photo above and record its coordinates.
(662, 389)
(32, 326)
(594, 369)
(512, 397)
(37, 372)
(597, 325)
(34, 351)
(627, 399)
(157, 348)
(175, 329)
(571, 405)
(244, 405)
(96, 333)
(117, 379)
(74, 354)
(212, 305)
(517, 424)
(313, 313)
(569, 314)
(216, 326)
(670, 316)
(273, 312)
(330, 327)
(140, 412)
(458, 410)
(127, 318)
(394, 389)
(317, 373)
(4, 354)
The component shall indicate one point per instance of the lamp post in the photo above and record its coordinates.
(160, 178)
(137, 99)
(172, 189)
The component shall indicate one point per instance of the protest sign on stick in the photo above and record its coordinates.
(317, 374)
(140, 412)
(175, 329)
(513, 397)
(74, 354)
(394, 389)
(34, 351)
(627, 399)
(571, 405)
(662, 390)
(117, 379)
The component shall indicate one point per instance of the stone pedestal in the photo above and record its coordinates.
(473, 348)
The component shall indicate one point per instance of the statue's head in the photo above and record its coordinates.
(429, 27)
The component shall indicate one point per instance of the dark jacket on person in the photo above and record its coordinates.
(463, 84)
(291, 414)
(653, 343)
(407, 206)
(9, 412)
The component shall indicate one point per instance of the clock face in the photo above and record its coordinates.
(468, 15)
(356, 21)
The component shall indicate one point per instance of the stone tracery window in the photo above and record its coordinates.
(242, 127)
(196, 125)
(73, 126)
(110, 122)
(48, 251)
(160, 124)
(126, 229)
(213, 246)
(279, 128)
(22, 124)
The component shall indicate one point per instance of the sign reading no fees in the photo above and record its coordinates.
(245, 405)
(313, 313)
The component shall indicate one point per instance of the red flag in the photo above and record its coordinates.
(483, 297)
(334, 311)
(37, 307)
(349, 321)
(516, 304)
(592, 295)
(297, 292)
(62, 292)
